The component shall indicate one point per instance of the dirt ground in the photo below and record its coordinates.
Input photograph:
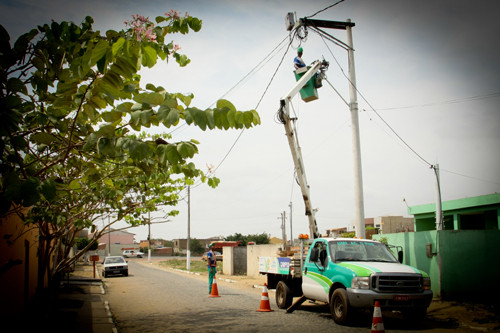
(465, 316)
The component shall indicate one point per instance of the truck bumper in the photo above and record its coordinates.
(360, 298)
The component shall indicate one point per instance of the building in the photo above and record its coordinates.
(337, 232)
(180, 244)
(115, 242)
(475, 213)
(389, 224)
(462, 258)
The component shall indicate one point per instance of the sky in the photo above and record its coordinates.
(428, 80)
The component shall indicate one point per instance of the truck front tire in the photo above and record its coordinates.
(339, 306)
(284, 295)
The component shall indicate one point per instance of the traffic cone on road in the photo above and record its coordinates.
(215, 291)
(264, 301)
(377, 324)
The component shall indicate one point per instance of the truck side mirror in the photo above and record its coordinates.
(314, 254)
(400, 256)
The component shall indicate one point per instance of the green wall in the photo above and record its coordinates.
(465, 263)
(414, 253)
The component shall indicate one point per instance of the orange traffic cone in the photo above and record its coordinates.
(378, 324)
(215, 291)
(264, 301)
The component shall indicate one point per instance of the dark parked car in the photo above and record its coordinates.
(114, 265)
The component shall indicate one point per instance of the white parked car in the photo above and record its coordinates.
(114, 265)
(132, 254)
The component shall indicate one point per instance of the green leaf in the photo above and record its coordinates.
(194, 23)
(105, 146)
(16, 85)
(169, 117)
(125, 107)
(42, 138)
(213, 182)
(186, 150)
(139, 150)
(29, 192)
(223, 103)
(149, 98)
(75, 185)
(200, 119)
(112, 116)
(99, 51)
(117, 46)
(210, 118)
(161, 152)
(149, 56)
(97, 102)
(173, 156)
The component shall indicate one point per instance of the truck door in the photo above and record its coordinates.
(315, 284)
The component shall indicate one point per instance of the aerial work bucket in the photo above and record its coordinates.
(308, 92)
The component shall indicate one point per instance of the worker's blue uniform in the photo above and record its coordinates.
(212, 269)
(299, 62)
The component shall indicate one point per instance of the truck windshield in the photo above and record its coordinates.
(354, 250)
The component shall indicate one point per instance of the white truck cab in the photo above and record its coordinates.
(354, 273)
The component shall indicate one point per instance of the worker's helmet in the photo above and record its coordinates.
(300, 49)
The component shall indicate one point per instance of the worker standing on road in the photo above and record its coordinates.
(212, 267)
(298, 62)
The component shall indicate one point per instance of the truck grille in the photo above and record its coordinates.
(397, 283)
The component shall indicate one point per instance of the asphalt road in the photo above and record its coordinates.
(156, 300)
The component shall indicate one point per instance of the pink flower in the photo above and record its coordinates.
(176, 47)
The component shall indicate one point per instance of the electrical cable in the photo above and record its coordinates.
(375, 111)
(453, 101)
(256, 107)
(322, 10)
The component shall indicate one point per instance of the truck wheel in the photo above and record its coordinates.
(339, 307)
(284, 295)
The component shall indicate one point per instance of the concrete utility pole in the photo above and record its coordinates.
(188, 260)
(291, 231)
(149, 237)
(439, 208)
(359, 216)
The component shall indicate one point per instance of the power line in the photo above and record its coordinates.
(322, 10)
(452, 101)
(264, 93)
(373, 109)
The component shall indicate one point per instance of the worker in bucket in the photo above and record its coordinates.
(212, 266)
(298, 62)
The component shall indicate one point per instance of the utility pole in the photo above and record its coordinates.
(149, 237)
(188, 261)
(109, 236)
(439, 208)
(283, 228)
(291, 231)
(359, 215)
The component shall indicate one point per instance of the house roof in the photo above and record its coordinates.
(479, 201)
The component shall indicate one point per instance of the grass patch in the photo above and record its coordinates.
(196, 266)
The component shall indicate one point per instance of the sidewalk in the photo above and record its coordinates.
(81, 306)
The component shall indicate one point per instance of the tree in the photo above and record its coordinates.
(195, 246)
(72, 113)
(262, 238)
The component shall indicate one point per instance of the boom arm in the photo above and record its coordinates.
(292, 136)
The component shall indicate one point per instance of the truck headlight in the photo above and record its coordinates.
(427, 283)
(360, 282)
